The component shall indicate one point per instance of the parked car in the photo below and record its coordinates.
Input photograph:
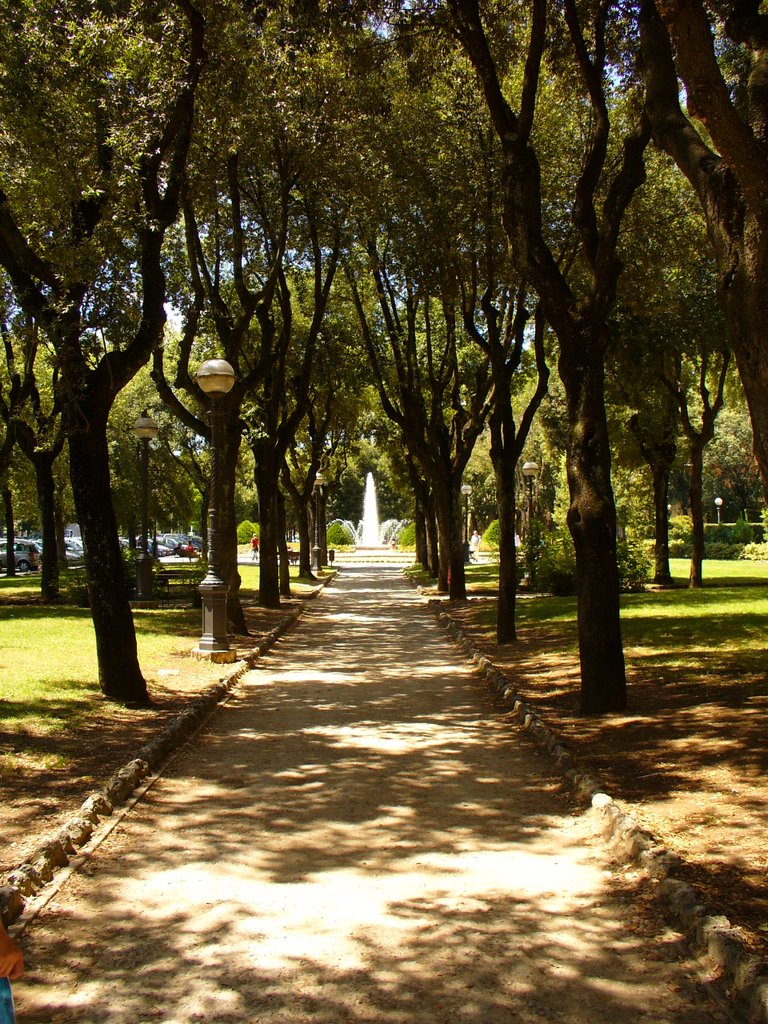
(26, 555)
(172, 539)
(73, 551)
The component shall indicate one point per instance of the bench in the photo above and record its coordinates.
(176, 583)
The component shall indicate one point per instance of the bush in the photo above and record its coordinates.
(246, 530)
(743, 532)
(338, 536)
(407, 537)
(555, 566)
(723, 551)
(74, 585)
(755, 552)
(634, 564)
(680, 532)
(74, 589)
(491, 536)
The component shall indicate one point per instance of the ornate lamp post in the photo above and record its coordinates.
(317, 489)
(466, 490)
(718, 506)
(530, 470)
(215, 378)
(145, 428)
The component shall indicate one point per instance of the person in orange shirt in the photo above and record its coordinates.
(11, 957)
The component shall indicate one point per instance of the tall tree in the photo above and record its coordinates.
(263, 217)
(576, 292)
(36, 425)
(720, 53)
(98, 109)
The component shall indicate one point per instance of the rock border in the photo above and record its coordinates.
(745, 975)
(28, 881)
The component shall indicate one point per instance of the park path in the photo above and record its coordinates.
(356, 836)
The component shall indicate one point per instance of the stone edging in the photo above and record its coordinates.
(744, 974)
(29, 879)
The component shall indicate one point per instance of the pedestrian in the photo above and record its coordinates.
(11, 957)
(255, 548)
(474, 544)
(11, 968)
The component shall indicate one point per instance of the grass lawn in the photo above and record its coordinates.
(48, 667)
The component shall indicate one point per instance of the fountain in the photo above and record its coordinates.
(370, 533)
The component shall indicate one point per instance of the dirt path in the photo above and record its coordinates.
(356, 837)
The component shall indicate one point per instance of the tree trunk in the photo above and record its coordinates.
(451, 578)
(504, 462)
(420, 534)
(662, 575)
(305, 541)
(696, 575)
(433, 544)
(120, 676)
(282, 547)
(267, 475)
(46, 497)
(592, 523)
(227, 539)
(10, 533)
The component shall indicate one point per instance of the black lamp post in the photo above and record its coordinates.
(530, 469)
(215, 377)
(317, 489)
(145, 428)
(718, 506)
(466, 490)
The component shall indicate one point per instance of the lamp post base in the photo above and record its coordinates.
(143, 578)
(213, 592)
(228, 657)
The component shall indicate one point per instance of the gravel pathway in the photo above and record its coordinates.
(356, 836)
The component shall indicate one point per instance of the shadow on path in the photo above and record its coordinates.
(355, 837)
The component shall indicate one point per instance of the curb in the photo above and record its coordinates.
(744, 974)
(27, 882)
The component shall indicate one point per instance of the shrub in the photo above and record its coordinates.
(74, 589)
(246, 530)
(755, 552)
(680, 531)
(722, 551)
(338, 536)
(407, 537)
(491, 536)
(634, 564)
(742, 532)
(556, 563)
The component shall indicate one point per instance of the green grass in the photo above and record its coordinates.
(720, 627)
(48, 665)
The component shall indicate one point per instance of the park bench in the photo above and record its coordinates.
(176, 584)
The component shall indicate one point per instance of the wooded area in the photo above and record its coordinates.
(423, 230)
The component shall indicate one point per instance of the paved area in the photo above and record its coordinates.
(356, 836)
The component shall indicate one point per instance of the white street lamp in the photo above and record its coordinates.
(466, 490)
(718, 506)
(530, 471)
(317, 490)
(145, 428)
(216, 378)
